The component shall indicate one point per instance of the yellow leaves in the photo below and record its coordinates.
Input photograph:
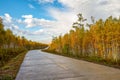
(99, 39)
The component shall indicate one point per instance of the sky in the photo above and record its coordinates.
(41, 20)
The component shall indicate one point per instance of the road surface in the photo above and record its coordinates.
(39, 65)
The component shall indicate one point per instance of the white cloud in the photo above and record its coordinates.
(96, 8)
(19, 20)
(15, 26)
(61, 25)
(10, 23)
(27, 16)
(39, 31)
(7, 18)
(30, 21)
(31, 6)
(49, 28)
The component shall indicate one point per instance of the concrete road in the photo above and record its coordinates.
(39, 65)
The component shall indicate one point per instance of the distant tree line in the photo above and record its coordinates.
(101, 40)
(11, 45)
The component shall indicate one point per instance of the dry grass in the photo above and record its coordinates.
(9, 70)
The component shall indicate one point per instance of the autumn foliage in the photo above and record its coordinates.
(11, 45)
(102, 39)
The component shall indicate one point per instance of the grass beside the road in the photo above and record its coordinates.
(92, 59)
(10, 69)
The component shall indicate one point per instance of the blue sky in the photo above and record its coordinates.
(40, 20)
(17, 8)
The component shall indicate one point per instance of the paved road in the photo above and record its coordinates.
(39, 65)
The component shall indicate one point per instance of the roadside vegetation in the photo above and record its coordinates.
(11, 68)
(99, 42)
(12, 49)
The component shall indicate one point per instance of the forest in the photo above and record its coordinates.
(11, 45)
(100, 40)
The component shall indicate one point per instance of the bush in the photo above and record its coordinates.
(7, 54)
